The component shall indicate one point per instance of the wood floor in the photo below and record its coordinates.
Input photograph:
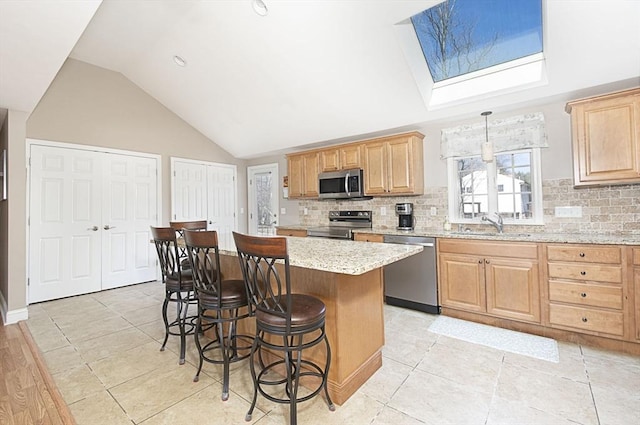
(28, 394)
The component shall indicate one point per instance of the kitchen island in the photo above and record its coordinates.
(348, 277)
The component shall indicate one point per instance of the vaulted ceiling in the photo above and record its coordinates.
(310, 72)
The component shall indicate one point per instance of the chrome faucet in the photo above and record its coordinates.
(498, 223)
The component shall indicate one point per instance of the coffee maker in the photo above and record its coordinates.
(404, 212)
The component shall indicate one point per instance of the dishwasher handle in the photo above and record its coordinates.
(410, 240)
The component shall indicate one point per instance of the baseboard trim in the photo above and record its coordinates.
(10, 317)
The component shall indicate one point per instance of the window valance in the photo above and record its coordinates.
(518, 132)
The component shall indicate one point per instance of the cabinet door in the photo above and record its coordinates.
(636, 281)
(350, 157)
(462, 283)
(311, 171)
(513, 289)
(606, 134)
(375, 168)
(296, 176)
(330, 160)
(400, 166)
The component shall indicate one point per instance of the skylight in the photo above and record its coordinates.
(459, 37)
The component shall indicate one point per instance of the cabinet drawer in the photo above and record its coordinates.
(585, 254)
(609, 322)
(589, 272)
(586, 294)
(636, 256)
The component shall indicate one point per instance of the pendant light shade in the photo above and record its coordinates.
(487, 146)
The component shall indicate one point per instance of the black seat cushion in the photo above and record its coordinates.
(307, 311)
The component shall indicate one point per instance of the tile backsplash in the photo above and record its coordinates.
(605, 209)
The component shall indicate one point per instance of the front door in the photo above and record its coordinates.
(263, 199)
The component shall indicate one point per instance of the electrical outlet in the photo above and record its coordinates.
(434, 211)
(241, 210)
(383, 210)
(283, 211)
(306, 211)
(568, 212)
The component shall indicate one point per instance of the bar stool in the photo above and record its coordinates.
(286, 325)
(178, 287)
(179, 227)
(219, 303)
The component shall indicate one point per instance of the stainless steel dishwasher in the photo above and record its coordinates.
(412, 282)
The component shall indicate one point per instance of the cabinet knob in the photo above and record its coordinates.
(582, 254)
(584, 320)
(583, 295)
(583, 273)
(487, 261)
(479, 261)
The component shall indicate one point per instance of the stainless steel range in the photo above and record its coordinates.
(342, 224)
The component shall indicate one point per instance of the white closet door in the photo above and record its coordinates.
(189, 191)
(221, 199)
(129, 208)
(65, 212)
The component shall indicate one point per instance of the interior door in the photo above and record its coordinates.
(129, 208)
(221, 199)
(65, 219)
(189, 190)
(263, 199)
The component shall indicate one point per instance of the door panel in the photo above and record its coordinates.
(189, 194)
(221, 199)
(64, 236)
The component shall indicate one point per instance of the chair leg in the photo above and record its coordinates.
(165, 304)
(225, 361)
(254, 349)
(181, 321)
(196, 335)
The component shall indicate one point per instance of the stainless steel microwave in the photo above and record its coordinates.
(343, 184)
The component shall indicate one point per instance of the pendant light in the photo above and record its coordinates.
(487, 146)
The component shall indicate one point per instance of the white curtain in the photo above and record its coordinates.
(518, 132)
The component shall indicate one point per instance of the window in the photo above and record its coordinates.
(461, 36)
(510, 186)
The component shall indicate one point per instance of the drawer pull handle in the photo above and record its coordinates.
(582, 254)
(584, 319)
(583, 295)
(583, 273)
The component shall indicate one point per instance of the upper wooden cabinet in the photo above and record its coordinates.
(303, 175)
(341, 157)
(394, 165)
(606, 138)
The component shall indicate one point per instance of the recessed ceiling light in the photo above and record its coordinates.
(259, 7)
(179, 61)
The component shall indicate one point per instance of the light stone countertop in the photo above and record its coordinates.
(342, 256)
(582, 238)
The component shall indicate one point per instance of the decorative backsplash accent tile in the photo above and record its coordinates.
(605, 210)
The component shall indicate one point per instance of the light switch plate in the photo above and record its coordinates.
(383, 210)
(568, 212)
(283, 211)
(434, 211)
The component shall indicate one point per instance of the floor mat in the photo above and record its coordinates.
(502, 339)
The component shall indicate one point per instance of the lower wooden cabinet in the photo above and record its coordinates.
(500, 279)
(291, 232)
(368, 237)
(636, 292)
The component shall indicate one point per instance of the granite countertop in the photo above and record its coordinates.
(588, 238)
(342, 256)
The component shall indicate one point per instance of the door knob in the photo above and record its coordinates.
(94, 228)
(107, 227)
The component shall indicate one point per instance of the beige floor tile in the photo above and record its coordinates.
(71, 319)
(66, 306)
(620, 374)
(154, 329)
(150, 394)
(131, 302)
(556, 395)
(77, 383)
(596, 354)
(99, 409)
(61, 359)
(405, 347)
(438, 401)
(144, 315)
(507, 412)
(389, 416)
(617, 407)
(47, 336)
(386, 381)
(112, 344)
(79, 331)
(132, 363)
(570, 366)
(206, 407)
(479, 371)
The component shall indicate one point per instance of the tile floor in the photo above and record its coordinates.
(103, 352)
